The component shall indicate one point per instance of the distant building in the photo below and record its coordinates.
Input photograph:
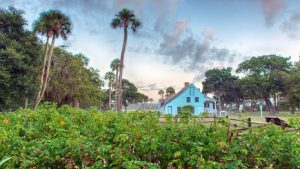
(189, 95)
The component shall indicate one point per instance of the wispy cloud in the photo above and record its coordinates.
(147, 87)
(271, 9)
(292, 26)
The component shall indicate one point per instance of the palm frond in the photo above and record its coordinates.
(53, 22)
(116, 22)
(135, 24)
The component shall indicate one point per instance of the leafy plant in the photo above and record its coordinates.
(65, 137)
(4, 160)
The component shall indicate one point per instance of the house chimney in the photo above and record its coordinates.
(186, 84)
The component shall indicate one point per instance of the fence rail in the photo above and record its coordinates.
(236, 130)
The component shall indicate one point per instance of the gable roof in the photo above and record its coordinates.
(177, 94)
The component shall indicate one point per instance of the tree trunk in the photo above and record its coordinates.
(117, 78)
(275, 101)
(119, 100)
(77, 104)
(42, 78)
(47, 71)
(237, 105)
(271, 108)
(219, 102)
(26, 103)
(109, 96)
(244, 103)
(252, 106)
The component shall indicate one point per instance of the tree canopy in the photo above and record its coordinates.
(19, 57)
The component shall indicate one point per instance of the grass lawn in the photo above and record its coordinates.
(256, 116)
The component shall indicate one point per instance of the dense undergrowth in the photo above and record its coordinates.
(66, 137)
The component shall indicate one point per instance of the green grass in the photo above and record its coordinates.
(256, 116)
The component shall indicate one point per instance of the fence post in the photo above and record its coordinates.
(249, 122)
(282, 124)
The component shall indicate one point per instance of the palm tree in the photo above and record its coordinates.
(161, 93)
(167, 96)
(110, 76)
(115, 65)
(170, 91)
(52, 24)
(124, 19)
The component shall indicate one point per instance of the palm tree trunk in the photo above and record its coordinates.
(47, 71)
(116, 87)
(42, 78)
(117, 78)
(109, 96)
(119, 101)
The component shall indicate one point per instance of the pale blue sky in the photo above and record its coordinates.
(180, 39)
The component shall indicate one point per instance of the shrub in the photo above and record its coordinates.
(66, 137)
(186, 112)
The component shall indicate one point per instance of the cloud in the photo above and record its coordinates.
(181, 47)
(147, 87)
(292, 26)
(93, 14)
(208, 33)
(271, 9)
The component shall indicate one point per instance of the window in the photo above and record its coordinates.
(178, 109)
(188, 99)
(192, 91)
(197, 99)
(214, 106)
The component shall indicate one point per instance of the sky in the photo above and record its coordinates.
(179, 39)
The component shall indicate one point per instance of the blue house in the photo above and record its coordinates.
(189, 95)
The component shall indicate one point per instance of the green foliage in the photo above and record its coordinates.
(222, 84)
(131, 94)
(264, 147)
(19, 60)
(4, 160)
(294, 122)
(72, 82)
(66, 137)
(217, 80)
(126, 18)
(265, 76)
(186, 111)
(292, 88)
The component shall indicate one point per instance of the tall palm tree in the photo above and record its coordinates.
(124, 19)
(115, 65)
(110, 76)
(161, 93)
(52, 24)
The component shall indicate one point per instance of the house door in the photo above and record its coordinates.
(169, 110)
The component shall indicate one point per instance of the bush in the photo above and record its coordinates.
(186, 112)
(66, 137)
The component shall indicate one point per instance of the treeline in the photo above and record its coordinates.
(32, 71)
(269, 81)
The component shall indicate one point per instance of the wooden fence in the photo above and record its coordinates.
(247, 122)
(238, 125)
